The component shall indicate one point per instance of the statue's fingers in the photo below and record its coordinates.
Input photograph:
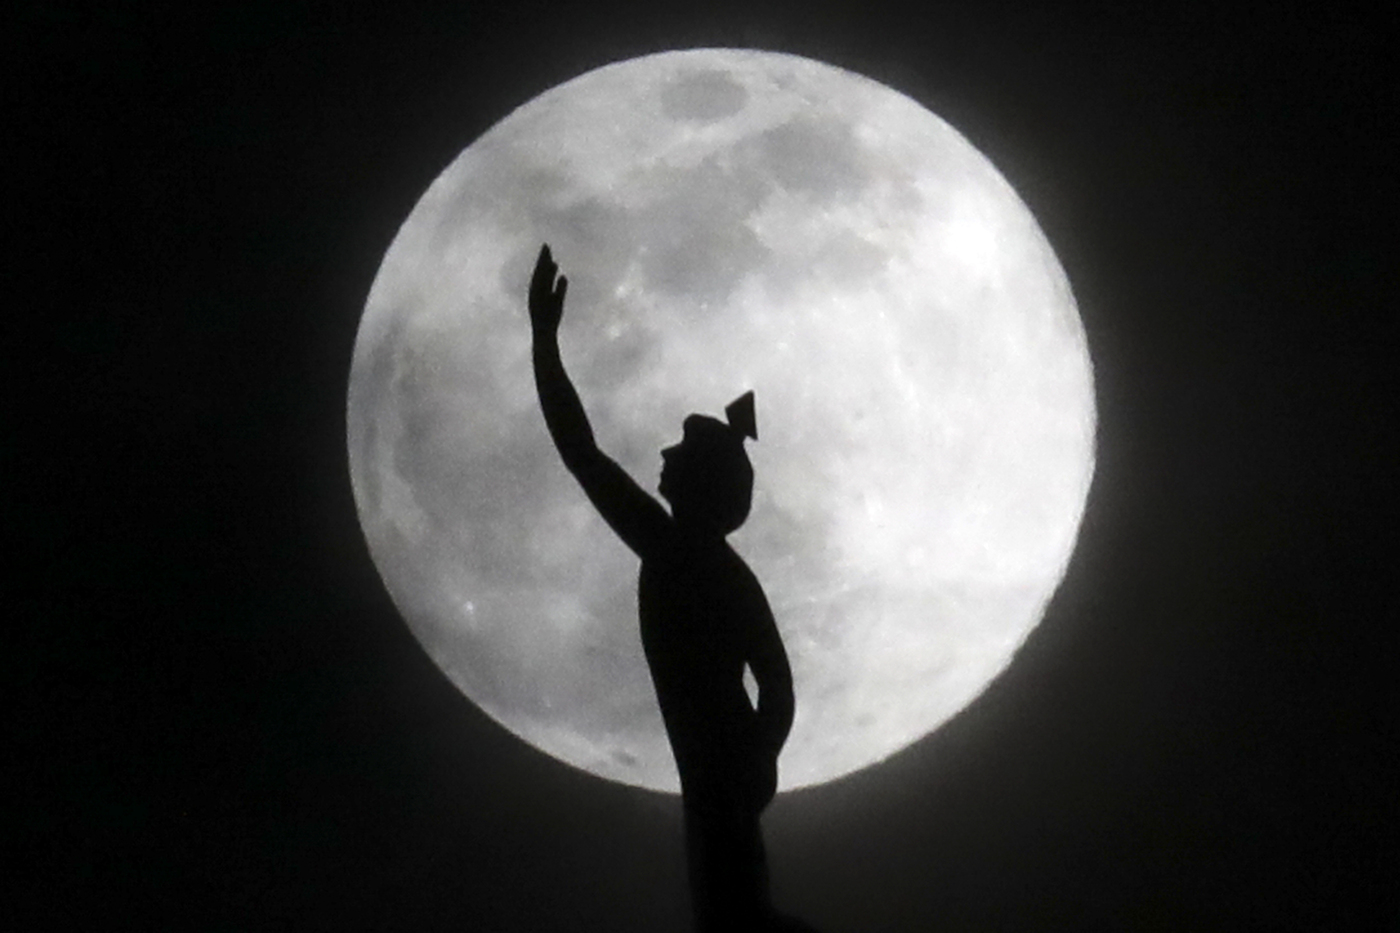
(561, 288)
(544, 269)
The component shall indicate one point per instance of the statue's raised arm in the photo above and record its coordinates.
(637, 518)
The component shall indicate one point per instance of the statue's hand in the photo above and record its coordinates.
(762, 783)
(546, 296)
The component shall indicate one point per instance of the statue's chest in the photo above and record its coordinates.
(687, 610)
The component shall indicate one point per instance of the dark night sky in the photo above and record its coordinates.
(220, 722)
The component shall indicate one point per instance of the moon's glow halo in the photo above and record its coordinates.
(728, 220)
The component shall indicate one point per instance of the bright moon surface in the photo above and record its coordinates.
(728, 220)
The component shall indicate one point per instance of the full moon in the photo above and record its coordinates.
(728, 220)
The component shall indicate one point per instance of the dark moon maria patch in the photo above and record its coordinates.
(704, 95)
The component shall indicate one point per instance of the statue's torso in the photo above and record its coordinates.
(700, 607)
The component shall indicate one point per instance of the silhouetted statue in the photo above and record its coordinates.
(703, 618)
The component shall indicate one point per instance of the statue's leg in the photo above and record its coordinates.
(728, 869)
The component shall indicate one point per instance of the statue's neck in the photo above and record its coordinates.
(693, 528)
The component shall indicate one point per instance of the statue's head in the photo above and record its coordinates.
(707, 477)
